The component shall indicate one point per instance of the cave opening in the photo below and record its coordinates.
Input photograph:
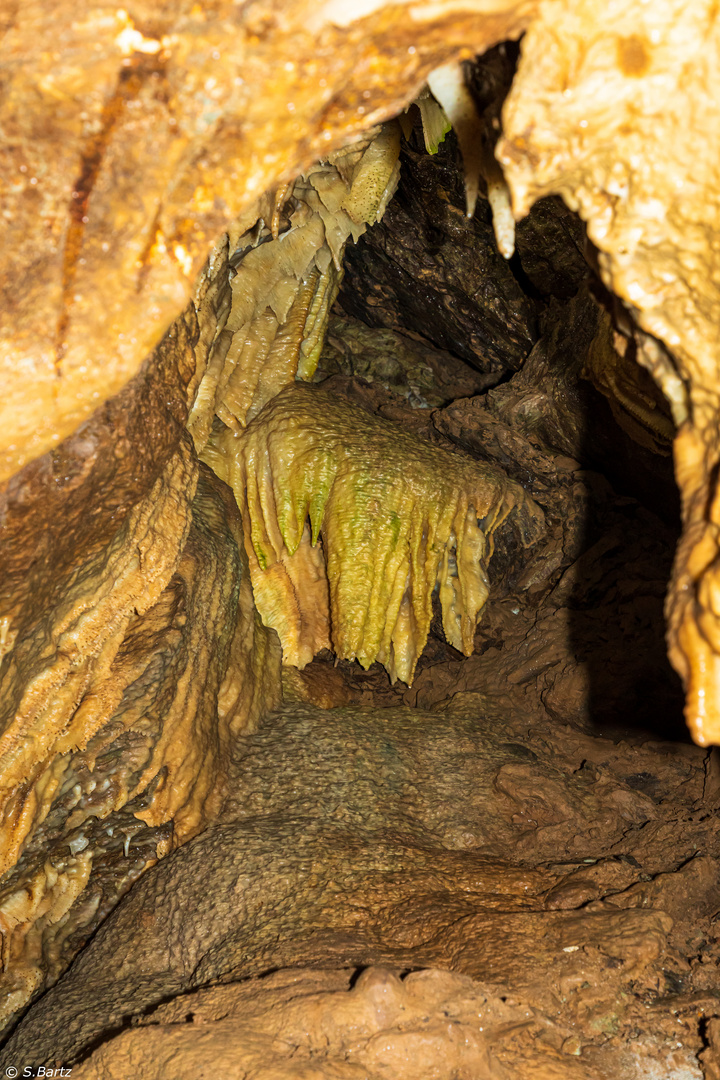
(429, 313)
(523, 834)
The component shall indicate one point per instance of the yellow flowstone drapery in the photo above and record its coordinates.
(285, 275)
(397, 517)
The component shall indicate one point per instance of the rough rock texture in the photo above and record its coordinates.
(550, 245)
(134, 136)
(313, 1023)
(555, 404)
(547, 864)
(141, 757)
(397, 518)
(581, 612)
(407, 366)
(162, 127)
(275, 283)
(110, 611)
(435, 275)
(132, 652)
(600, 96)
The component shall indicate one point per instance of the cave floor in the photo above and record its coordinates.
(568, 883)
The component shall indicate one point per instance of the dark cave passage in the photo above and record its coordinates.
(429, 316)
(524, 835)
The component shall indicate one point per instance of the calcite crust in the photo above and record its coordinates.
(135, 135)
(397, 517)
(617, 107)
(149, 141)
(133, 138)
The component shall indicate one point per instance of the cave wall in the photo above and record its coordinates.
(135, 137)
(615, 107)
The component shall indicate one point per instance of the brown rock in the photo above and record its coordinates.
(639, 173)
(145, 749)
(162, 126)
(133, 658)
(408, 840)
(312, 1024)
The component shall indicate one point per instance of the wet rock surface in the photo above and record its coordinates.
(437, 274)
(576, 622)
(511, 816)
(405, 365)
(554, 868)
(333, 1024)
(142, 761)
(135, 136)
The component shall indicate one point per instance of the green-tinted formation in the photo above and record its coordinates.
(285, 273)
(396, 517)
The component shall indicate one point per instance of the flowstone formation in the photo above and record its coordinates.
(134, 136)
(183, 108)
(268, 327)
(654, 217)
(135, 664)
(140, 764)
(295, 1021)
(397, 518)
(118, 703)
(541, 869)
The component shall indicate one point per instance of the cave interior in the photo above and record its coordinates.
(506, 867)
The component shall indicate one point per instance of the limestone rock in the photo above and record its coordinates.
(404, 365)
(274, 285)
(424, 269)
(131, 651)
(162, 129)
(136, 135)
(397, 516)
(314, 1024)
(141, 736)
(545, 864)
(619, 115)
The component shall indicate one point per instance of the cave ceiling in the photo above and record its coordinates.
(133, 136)
(185, 189)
